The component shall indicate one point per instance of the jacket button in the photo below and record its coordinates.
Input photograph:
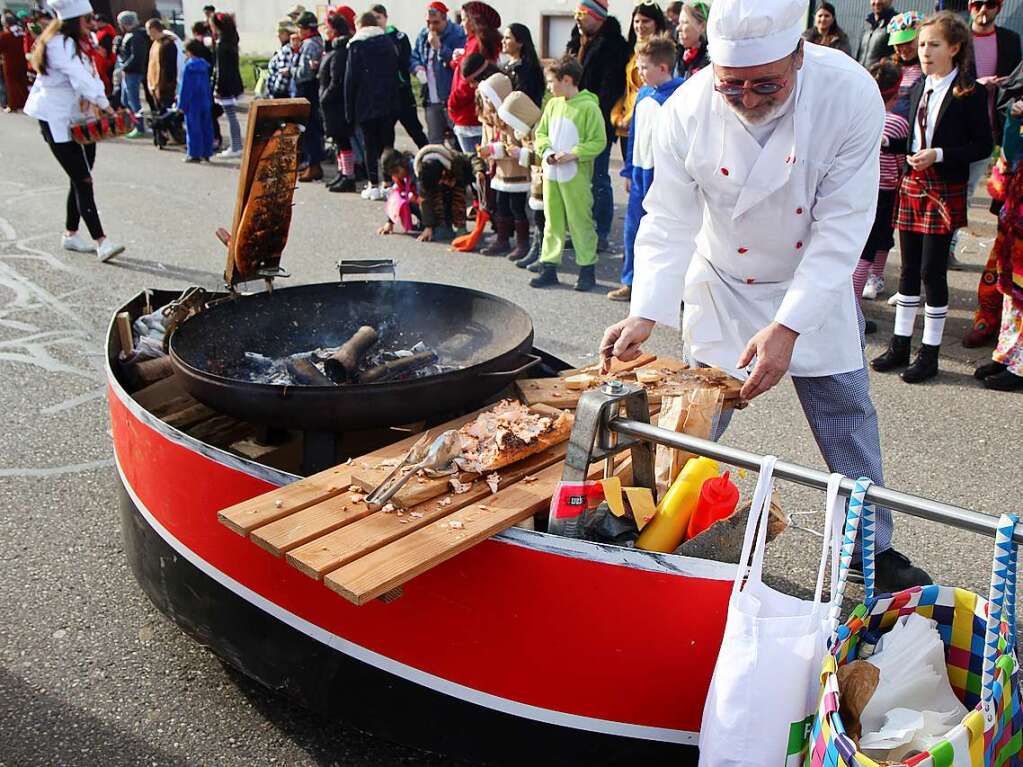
(724, 171)
(799, 211)
(743, 251)
(799, 245)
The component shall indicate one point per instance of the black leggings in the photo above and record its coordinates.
(77, 161)
(378, 135)
(408, 116)
(512, 205)
(925, 257)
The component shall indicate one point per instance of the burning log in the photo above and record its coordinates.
(397, 367)
(343, 365)
(305, 373)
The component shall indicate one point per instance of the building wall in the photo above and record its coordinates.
(257, 19)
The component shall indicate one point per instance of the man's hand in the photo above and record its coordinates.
(623, 340)
(433, 39)
(772, 347)
(922, 160)
(1017, 108)
(426, 235)
(628, 186)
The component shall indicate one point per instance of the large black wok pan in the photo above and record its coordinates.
(487, 336)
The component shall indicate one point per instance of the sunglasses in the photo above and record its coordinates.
(734, 90)
(991, 5)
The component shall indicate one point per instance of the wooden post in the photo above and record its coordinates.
(123, 323)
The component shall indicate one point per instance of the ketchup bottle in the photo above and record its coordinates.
(718, 498)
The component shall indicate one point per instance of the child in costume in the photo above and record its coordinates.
(569, 137)
(507, 178)
(403, 206)
(443, 177)
(519, 114)
(655, 58)
(195, 101)
(870, 269)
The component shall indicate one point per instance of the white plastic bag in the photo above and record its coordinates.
(764, 690)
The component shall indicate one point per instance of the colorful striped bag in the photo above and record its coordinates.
(979, 638)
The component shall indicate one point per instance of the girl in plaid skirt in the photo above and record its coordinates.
(949, 129)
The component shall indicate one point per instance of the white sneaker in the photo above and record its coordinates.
(873, 288)
(108, 250)
(76, 244)
(893, 299)
(229, 154)
(377, 193)
(367, 192)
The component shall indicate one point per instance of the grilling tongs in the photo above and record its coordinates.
(438, 459)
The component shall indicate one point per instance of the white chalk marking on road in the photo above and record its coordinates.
(74, 402)
(7, 230)
(55, 471)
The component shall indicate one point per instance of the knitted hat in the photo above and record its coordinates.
(519, 111)
(308, 20)
(903, 27)
(750, 33)
(70, 9)
(437, 152)
(439, 7)
(483, 12)
(345, 12)
(496, 88)
(596, 8)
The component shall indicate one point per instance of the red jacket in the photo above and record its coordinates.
(462, 101)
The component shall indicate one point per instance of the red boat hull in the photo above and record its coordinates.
(526, 646)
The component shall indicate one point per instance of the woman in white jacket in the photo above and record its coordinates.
(66, 86)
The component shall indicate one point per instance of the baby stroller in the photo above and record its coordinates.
(167, 125)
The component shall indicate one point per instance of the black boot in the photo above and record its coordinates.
(587, 279)
(521, 241)
(892, 572)
(1004, 381)
(535, 243)
(869, 327)
(925, 365)
(988, 370)
(342, 184)
(548, 276)
(896, 356)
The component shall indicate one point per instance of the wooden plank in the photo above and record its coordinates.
(308, 524)
(358, 539)
(617, 366)
(124, 335)
(154, 396)
(263, 509)
(387, 568)
(190, 416)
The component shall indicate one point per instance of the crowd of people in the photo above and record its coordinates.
(525, 149)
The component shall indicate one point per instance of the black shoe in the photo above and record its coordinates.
(924, 367)
(548, 276)
(988, 370)
(342, 184)
(535, 243)
(534, 267)
(892, 572)
(869, 327)
(896, 356)
(587, 279)
(1004, 381)
(603, 245)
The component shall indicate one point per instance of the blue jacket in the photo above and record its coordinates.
(195, 92)
(639, 156)
(451, 39)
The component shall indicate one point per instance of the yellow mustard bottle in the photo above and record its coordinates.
(668, 527)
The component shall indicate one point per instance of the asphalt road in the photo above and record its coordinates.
(91, 673)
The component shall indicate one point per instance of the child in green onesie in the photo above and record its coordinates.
(569, 137)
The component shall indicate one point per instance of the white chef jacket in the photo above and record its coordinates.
(939, 87)
(54, 96)
(747, 235)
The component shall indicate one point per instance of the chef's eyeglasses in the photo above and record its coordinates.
(734, 90)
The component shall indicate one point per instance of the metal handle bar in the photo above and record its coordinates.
(924, 508)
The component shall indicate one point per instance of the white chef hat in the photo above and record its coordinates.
(749, 33)
(70, 9)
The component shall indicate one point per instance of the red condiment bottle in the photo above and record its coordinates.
(718, 498)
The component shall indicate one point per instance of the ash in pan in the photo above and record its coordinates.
(311, 369)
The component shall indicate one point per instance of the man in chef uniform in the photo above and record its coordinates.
(763, 195)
